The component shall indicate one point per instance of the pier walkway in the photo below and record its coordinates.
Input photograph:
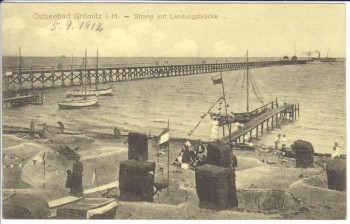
(22, 100)
(35, 77)
(271, 117)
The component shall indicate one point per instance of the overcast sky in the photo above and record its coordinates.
(270, 30)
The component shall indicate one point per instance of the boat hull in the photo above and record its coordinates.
(242, 118)
(78, 103)
(91, 92)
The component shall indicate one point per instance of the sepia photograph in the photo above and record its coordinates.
(173, 111)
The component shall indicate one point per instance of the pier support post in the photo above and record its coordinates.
(42, 75)
(272, 122)
(298, 109)
(81, 77)
(71, 76)
(62, 77)
(53, 76)
(262, 128)
(256, 132)
(31, 78)
(267, 124)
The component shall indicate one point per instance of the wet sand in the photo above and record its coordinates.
(303, 192)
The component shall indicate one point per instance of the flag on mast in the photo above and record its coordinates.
(164, 137)
(216, 80)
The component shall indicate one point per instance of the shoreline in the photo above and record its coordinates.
(257, 171)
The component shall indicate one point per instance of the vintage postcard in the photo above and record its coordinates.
(167, 111)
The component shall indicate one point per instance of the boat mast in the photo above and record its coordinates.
(327, 52)
(227, 121)
(85, 71)
(247, 84)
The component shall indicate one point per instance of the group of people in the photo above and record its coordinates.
(45, 129)
(191, 157)
(75, 179)
(281, 140)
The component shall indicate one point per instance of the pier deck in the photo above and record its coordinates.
(35, 77)
(286, 111)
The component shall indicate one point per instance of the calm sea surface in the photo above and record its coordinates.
(146, 105)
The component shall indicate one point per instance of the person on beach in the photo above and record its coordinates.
(284, 142)
(45, 130)
(32, 125)
(200, 148)
(335, 152)
(215, 129)
(116, 132)
(61, 126)
(78, 176)
(185, 163)
(277, 141)
(69, 182)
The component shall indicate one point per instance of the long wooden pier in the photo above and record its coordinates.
(35, 77)
(266, 121)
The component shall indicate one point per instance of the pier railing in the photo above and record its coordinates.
(49, 76)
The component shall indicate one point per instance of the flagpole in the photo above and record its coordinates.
(44, 170)
(228, 124)
(168, 157)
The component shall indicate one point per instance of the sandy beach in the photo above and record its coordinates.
(262, 176)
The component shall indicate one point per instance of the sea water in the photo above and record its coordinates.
(147, 105)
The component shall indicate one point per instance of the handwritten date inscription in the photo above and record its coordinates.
(84, 25)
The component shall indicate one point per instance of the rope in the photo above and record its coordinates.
(203, 116)
(256, 90)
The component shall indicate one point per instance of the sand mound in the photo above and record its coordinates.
(11, 140)
(316, 181)
(271, 177)
(264, 200)
(247, 163)
(323, 203)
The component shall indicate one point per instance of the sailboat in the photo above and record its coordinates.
(80, 102)
(243, 117)
(91, 92)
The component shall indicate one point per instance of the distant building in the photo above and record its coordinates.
(294, 58)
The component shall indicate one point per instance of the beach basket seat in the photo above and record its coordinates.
(336, 174)
(304, 153)
(136, 180)
(88, 208)
(25, 206)
(215, 187)
(219, 154)
(137, 146)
